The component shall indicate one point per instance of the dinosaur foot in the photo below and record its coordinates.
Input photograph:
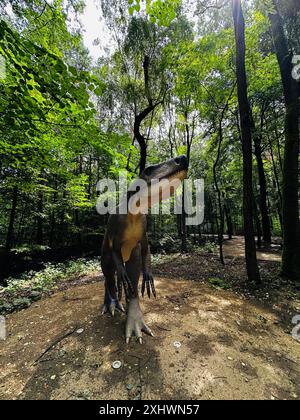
(111, 306)
(135, 324)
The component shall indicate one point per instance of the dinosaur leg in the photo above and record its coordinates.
(135, 323)
(111, 301)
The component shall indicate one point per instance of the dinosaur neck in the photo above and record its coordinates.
(135, 218)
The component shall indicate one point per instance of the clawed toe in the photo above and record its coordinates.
(147, 330)
(137, 333)
(111, 307)
(135, 324)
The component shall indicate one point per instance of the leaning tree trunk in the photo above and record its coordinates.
(138, 136)
(246, 134)
(290, 205)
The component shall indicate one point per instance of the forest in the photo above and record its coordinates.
(217, 81)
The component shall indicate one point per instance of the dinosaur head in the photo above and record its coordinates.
(158, 182)
(170, 170)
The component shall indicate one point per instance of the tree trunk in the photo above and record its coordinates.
(276, 181)
(39, 234)
(263, 198)
(78, 226)
(219, 193)
(258, 226)
(199, 234)
(228, 221)
(244, 109)
(183, 215)
(10, 231)
(267, 237)
(220, 226)
(52, 218)
(290, 208)
(179, 220)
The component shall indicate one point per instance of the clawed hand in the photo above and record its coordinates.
(124, 281)
(148, 283)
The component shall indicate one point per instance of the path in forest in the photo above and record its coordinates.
(236, 248)
(231, 348)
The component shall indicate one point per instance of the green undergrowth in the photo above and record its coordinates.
(22, 291)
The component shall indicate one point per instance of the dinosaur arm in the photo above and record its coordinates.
(118, 259)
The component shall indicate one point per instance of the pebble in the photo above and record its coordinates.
(230, 359)
(80, 331)
(53, 377)
(116, 364)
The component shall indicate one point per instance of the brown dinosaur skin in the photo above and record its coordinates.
(126, 253)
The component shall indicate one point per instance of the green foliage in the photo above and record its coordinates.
(162, 12)
(76, 189)
(219, 283)
(23, 291)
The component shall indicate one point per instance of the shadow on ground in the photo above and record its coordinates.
(231, 348)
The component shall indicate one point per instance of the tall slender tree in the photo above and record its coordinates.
(263, 196)
(246, 134)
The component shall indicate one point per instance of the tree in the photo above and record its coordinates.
(266, 227)
(245, 121)
(291, 222)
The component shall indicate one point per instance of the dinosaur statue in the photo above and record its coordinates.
(126, 252)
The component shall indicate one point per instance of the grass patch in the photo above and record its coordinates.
(22, 291)
(219, 283)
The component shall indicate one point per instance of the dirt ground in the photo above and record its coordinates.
(236, 248)
(231, 348)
